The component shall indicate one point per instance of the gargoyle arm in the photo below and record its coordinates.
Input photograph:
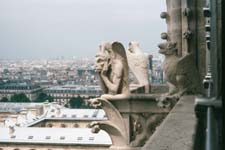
(114, 85)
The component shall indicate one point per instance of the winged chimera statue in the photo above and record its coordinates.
(138, 64)
(112, 66)
(112, 60)
(181, 73)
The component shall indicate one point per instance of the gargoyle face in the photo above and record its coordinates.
(168, 48)
(100, 61)
(133, 46)
(102, 56)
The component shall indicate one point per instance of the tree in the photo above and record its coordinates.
(4, 99)
(76, 102)
(21, 97)
(50, 99)
(66, 105)
(43, 97)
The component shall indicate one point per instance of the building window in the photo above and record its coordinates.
(91, 138)
(79, 138)
(88, 125)
(30, 137)
(13, 137)
(63, 126)
(48, 137)
(49, 125)
(85, 116)
(76, 125)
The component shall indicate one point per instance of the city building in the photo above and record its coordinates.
(9, 89)
(42, 125)
(53, 139)
(62, 94)
(47, 115)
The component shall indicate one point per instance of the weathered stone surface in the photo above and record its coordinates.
(112, 66)
(180, 72)
(178, 23)
(159, 88)
(132, 119)
(138, 64)
(174, 23)
(177, 131)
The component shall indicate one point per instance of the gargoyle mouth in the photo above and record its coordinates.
(161, 48)
(162, 51)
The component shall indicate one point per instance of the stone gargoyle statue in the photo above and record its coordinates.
(112, 67)
(138, 64)
(180, 72)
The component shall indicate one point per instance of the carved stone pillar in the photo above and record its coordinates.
(185, 26)
(174, 23)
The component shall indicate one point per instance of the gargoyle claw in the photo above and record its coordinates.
(95, 103)
(95, 127)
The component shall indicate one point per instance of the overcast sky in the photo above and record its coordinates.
(54, 28)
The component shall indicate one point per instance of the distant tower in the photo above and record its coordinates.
(150, 57)
(150, 61)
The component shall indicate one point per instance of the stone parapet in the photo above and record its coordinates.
(177, 130)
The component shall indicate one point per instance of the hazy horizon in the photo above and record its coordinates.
(41, 29)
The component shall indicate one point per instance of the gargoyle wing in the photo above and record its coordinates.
(138, 64)
(186, 65)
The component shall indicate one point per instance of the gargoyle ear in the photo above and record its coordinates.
(174, 44)
(138, 44)
(130, 43)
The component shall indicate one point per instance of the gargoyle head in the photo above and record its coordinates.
(168, 48)
(133, 46)
(102, 56)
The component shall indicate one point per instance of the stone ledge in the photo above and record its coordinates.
(177, 130)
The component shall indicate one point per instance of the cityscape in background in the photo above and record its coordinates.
(112, 75)
(58, 80)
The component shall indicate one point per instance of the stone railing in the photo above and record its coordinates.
(132, 119)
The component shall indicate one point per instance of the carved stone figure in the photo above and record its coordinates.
(138, 63)
(112, 66)
(143, 126)
(180, 72)
(114, 126)
(127, 124)
(103, 63)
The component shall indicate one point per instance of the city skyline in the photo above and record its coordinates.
(52, 29)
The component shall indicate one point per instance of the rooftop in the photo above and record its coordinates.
(58, 136)
(51, 111)
(74, 87)
(16, 107)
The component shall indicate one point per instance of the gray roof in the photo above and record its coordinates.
(69, 114)
(74, 87)
(69, 136)
(16, 107)
(53, 112)
(77, 113)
